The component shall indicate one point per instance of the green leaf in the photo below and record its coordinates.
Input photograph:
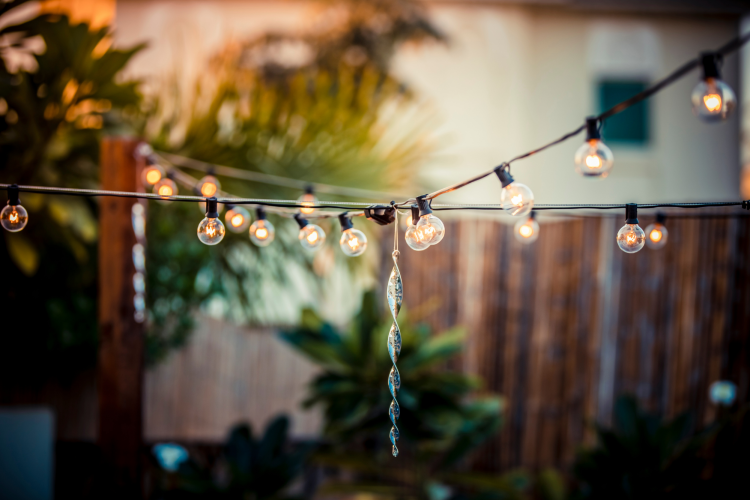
(23, 253)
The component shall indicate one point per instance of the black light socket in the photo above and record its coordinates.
(309, 189)
(381, 214)
(13, 199)
(532, 215)
(592, 128)
(151, 160)
(503, 174)
(301, 221)
(414, 215)
(661, 218)
(709, 62)
(212, 208)
(424, 205)
(631, 213)
(260, 214)
(346, 222)
(170, 175)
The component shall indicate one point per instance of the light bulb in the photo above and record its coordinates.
(13, 217)
(209, 186)
(353, 242)
(431, 229)
(526, 231)
(211, 230)
(152, 173)
(307, 200)
(656, 233)
(262, 232)
(593, 158)
(237, 219)
(712, 99)
(415, 238)
(515, 197)
(166, 188)
(631, 238)
(311, 237)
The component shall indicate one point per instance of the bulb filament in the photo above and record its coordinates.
(353, 243)
(526, 231)
(13, 217)
(165, 191)
(153, 176)
(262, 233)
(211, 230)
(712, 102)
(312, 237)
(237, 220)
(517, 200)
(631, 238)
(655, 236)
(593, 161)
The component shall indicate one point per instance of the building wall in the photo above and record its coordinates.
(510, 79)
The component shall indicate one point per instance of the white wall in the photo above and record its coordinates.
(511, 79)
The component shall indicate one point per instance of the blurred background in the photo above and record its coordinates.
(561, 369)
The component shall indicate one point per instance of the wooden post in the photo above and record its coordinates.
(120, 368)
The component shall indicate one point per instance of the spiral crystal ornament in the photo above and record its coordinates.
(395, 295)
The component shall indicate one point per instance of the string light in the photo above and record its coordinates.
(630, 237)
(515, 197)
(431, 229)
(237, 219)
(414, 237)
(152, 172)
(353, 242)
(713, 100)
(656, 233)
(311, 237)
(527, 231)
(13, 216)
(308, 201)
(211, 230)
(208, 186)
(262, 231)
(593, 158)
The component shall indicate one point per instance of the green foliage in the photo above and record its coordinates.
(54, 108)
(440, 424)
(260, 468)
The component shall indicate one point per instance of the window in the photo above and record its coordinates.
(630, 126)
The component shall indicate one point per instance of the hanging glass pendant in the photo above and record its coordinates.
(395, 295)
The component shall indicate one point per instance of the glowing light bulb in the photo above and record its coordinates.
(656, 233)
(262, 231)
(527, 231)
(152, 173)
(237, 219)
(166, 188)
(630, 237)
(307, 200)
(515, 197)
(311, 237)
(13, 217)
(593, 158)
(353, 242)
(429, 228)
(211, 231)
(209, 186)
(712, 99)
(414, 237)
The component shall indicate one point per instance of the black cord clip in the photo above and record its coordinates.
(381, 214)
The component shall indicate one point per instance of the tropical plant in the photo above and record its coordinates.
(260, 468)
(440, 423)
(59, 94)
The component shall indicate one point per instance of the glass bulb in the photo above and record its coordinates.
(209, 186)
(165, 188)
(312, 237)
(713, 100)
(415, 238)
(656, 235)
(307, 200)
(152, 174)
(237, 219)
(526, 231)
(353, 242)
(262, 232)
(211, 231)
(431, 229)
(14, 218)
(517, 199)
(631, 238)
(594, 159)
